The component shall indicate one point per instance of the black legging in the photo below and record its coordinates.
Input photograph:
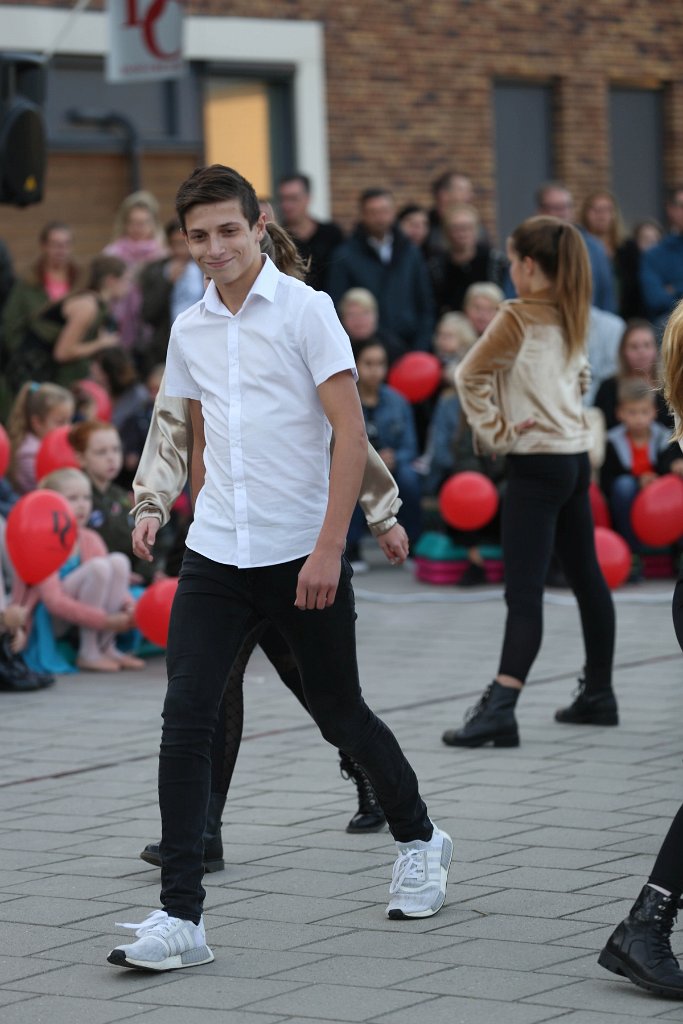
(228, 734)
(668, 869)
(546, 507)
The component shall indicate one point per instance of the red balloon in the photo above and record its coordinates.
(416, 375)
(4, 451)
(657, 512)
(614, 556)
(153, 611)
(599, 507)
(103, 406)
(55, 452)
(41, 533)
(468, 500)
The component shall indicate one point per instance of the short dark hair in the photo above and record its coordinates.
(172, 227)
(444, 180)
(295, 176)
(411, 208)
(102, 267)
(215, 184)
(361, 346)
(53, 225)
(635, 389)
(375, 193)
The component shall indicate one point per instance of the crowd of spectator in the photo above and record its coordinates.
(404, 280)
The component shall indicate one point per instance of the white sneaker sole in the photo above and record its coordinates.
(396, 914)
(192, 958)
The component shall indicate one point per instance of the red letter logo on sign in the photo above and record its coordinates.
(147, 24)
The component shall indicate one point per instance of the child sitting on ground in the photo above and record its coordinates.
(98, 446)
(638, 451)
(90, 591)
(37, 409)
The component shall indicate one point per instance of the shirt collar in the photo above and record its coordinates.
(265, 285)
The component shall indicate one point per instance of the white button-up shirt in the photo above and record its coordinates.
(267, 438)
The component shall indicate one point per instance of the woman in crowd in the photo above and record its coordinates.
(637, 356)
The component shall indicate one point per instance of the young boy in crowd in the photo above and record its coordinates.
(638, 451)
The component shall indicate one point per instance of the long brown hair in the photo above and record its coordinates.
(561, 254)
(616, 232)
(672, 367)
(280, 247)
(623, 368)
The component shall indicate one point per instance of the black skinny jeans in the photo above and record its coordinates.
(218, 613)
(546, 508)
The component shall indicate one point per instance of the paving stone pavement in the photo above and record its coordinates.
(552, 840)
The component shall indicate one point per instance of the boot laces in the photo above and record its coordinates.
(367, 798)
(478, 709)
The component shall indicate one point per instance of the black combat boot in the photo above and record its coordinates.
(598, 707)
(369, 817)
(213, 843)
(492, 720)
(640, 947)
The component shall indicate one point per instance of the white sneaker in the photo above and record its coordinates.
(418, 882)
(164, 944)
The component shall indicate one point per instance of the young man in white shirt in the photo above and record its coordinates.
(269, 372)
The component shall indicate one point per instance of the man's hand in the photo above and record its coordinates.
(144, 535)
(394, 544)
(318, 580)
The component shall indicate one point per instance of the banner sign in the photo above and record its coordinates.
(145, 40)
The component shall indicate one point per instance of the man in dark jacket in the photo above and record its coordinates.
(380, 258)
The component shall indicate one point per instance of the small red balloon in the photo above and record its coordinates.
(5, 451)
(468, 500)
(657, 512)
(153, 611)
(55, 452)
(415, 375)
(100, 396)
(614, 556)
(599, 507)
(41, 533)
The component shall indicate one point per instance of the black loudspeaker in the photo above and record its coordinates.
(23, 151)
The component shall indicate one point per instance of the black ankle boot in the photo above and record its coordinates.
(492, 720)
(369, 817)
(596, 708)
(640, 947)
(213, 842)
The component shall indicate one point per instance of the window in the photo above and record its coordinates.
(523, 120)
(636, 148)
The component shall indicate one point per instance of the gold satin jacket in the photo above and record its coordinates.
(163, 469)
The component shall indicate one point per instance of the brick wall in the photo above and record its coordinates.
(409, 87)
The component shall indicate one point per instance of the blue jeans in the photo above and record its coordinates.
(218, 609)
(623, 494)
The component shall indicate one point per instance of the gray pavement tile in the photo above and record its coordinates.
(199, 992)
(535, 904)
(28, 939)
(357, 971)
(87, 981)
(573, 838)
(551, 880)
(55, 911)
(604, 996)
(559, 857)
(13, 968)
(405, 943)
(173, 1015)
(298, 881)
(7, 998)
(512, 955)
(64, 1010)
(368, 917)
(588, 1017)
(447, 1009)
(78, 886)
(17, 860)
(296, 909)
(516, 928)
(484, 983)
(271, 935)
(257, 963)
(340, 1002)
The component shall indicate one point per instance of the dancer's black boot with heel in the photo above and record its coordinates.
(640, 947)
(213, 841)
(369, 817)
(492, 720)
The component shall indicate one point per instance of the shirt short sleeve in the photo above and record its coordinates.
(325, 345)
(179, 381)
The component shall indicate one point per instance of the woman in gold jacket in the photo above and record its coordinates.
(165, 463)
